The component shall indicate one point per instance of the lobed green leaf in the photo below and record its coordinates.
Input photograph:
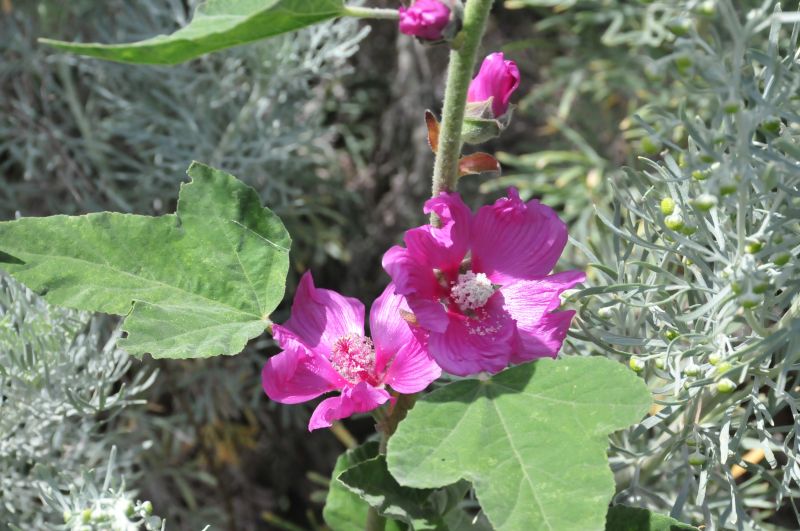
(197, 283)
(624, 518)
(531, 439)
(217, 24)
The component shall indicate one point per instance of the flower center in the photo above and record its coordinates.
(471, 291)
(353, 357)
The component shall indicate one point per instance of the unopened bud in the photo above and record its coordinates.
(753, 246)
(674, 221)
(667, 206)
(726, 385)
(691, 370)
(636, 364)
(86, 516)
(706, 8)
(723, 367)
(731, 107)
(772, 126)
(781, 259)
(683, 63)
(697, 459)
(148, 507)
(669, 335)
(714, 358)
(660, 363)
(650, 145)
(749, 300)
(705, 202)
(679, 26)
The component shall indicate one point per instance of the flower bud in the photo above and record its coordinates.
(781, 259)
(667, 206)
(726, 385)
(651, 145)
(86, 516)
(669, 335)
(749, 300)
(497, 79)
(705, 202)
(772, 125)
(674, 221)
(714, 358)
(723, 367)
(753, 246)
(731, 106)
(679, 26)
(148, 507)
(700, 175)
(660, 363)
(697, 459)
(727, 187)
(707, 8)
(425, 19)
(683, 63)
(636, 364)
(691, 370)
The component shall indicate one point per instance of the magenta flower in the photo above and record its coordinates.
(497, 79)
(325, 349)
(425, 19)
(480, 283)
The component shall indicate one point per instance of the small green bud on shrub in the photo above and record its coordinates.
(697, 459)
(674, 221)
(667, 206)
(636, 364)
(726, 385)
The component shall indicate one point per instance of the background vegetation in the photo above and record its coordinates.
(624, 104)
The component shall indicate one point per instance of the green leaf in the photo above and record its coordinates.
(197, 283)
(624, 518)
(422, 509)
(217, 24)
(345, 510)
(531, 439)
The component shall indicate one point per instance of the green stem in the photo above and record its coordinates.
(370, 12)
(459, 74)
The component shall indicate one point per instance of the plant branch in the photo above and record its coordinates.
(459, 74)
(370, 12)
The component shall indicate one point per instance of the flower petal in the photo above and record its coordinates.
(544, 339)
(540, 333)
(418, 284)
(357, 399)
(291, 377)
(412, 369)
(399, 345)
(321, 316)
(452, 236)
(387, 327)
(514, 240)
(473, 345)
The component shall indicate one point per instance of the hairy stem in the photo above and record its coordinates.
(370, 12)
(459, 74)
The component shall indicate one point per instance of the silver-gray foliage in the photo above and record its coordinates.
(696, 281)
(63, 383)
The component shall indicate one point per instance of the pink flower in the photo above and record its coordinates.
(325, 349)
(480, 283)
(497, 79)
(425, 19)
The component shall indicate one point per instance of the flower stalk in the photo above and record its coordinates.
(459, 74)
(370, 12)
